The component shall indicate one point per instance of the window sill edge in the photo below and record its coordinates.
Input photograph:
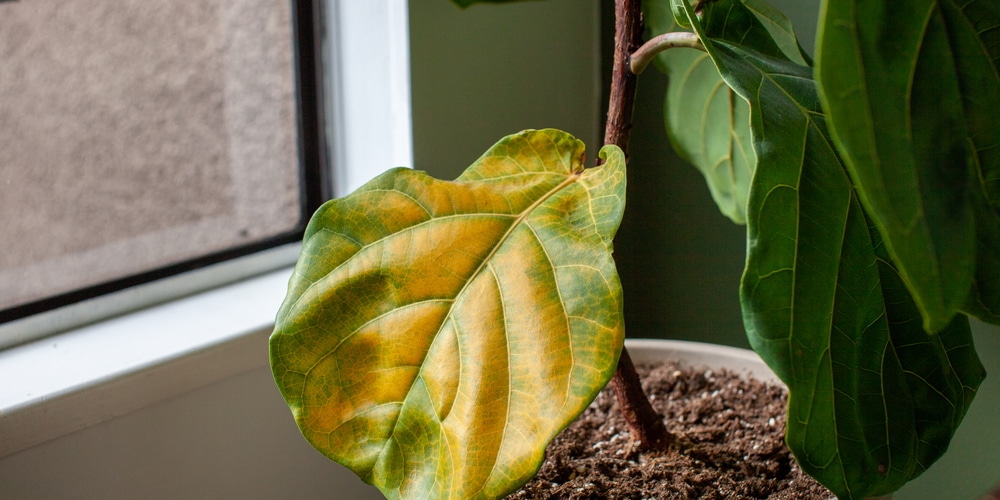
(80, 378)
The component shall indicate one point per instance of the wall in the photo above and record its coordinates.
(482, 73)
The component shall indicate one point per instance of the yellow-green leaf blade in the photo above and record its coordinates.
(437, 335)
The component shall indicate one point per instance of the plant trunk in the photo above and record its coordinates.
(628, 38)
(644, 424)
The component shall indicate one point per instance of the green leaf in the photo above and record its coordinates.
(677, 10)
(974, 37)
(984, 297)
(974, 32)
(779, 27)
(942, 372)
(709, 126)
(707, 123)
(437, 335)
(911, 95)
(754, 25)
(810, 292)
(873, 400)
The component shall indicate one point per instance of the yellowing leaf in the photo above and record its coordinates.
(437, 335)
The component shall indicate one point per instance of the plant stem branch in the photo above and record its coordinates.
(642, 57)
(644, 424)
(628, 38)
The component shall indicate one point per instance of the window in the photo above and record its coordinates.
(143, 139)
(100, 366)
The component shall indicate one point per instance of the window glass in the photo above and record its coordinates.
(137, 134)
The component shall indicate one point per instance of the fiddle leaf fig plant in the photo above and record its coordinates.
(873, 398)
(437, 335)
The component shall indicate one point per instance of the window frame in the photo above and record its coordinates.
(84, 375)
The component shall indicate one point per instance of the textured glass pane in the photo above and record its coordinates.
(141, 133)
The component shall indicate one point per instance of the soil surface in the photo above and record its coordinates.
(730, 445)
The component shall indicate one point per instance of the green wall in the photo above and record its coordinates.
(487, 71)
(680, 260)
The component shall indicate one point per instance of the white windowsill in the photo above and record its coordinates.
(73, 380)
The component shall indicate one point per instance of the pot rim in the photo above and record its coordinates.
(701, 354)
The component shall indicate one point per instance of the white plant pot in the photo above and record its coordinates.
(700, 354)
